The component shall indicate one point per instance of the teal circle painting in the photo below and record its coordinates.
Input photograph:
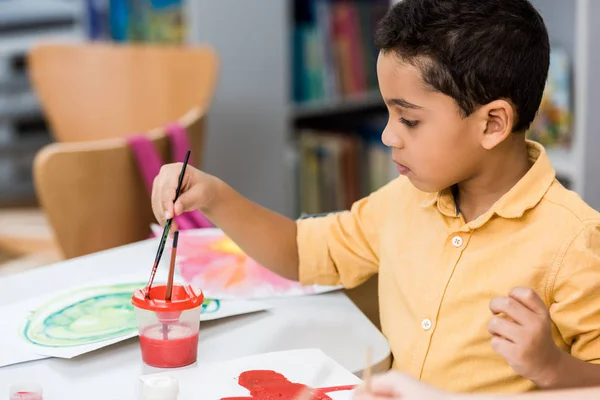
(89, 315)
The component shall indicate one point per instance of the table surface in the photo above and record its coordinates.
(330, 322)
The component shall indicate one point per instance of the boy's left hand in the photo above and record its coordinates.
(523, 335)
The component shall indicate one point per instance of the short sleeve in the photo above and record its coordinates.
(576, 295)
(342, 248)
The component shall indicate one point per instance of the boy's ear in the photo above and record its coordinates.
(499, 120)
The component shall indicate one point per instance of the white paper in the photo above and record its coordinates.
(228, 308)
(51, 326)
(217, 381)
(14, 345)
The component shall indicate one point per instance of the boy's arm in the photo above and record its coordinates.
(571, 372)
(576, 312)
(266, 236)
(333, 249)
(522, 324)
(342, 248)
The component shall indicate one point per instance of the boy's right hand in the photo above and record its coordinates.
(395, 385)
(198, 190)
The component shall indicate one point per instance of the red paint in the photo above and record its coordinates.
(25, 396)
(170, 353)
(271, 385)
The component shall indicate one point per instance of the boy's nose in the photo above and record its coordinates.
(391, 138)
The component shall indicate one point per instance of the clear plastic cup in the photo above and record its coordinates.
(169, 330)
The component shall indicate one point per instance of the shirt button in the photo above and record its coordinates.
(426, 324)
(457, 241)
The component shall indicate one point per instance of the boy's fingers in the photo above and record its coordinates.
(499, 326)
(502, 346)
(530, 299)
(388, 384)
(512, 308)
(167, 202)
(157, 207)
(185, 202)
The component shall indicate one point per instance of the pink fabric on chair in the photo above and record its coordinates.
(149, 162)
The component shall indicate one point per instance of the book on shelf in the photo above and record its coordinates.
(552, 125)
(154, 21)
(334, 55)
(337, 168)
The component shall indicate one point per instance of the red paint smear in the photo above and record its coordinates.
(169, 353)
(271, 385)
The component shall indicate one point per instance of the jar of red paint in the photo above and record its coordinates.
(168, 329)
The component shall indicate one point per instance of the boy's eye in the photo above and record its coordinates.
(410, 124)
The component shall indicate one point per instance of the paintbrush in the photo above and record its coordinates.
(367, 371)
(163, 239)
(169, 291)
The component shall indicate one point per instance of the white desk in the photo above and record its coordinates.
(330, 322)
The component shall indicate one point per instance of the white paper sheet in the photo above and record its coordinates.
(84, 319)
(218, 381)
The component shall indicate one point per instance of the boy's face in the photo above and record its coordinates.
(431, 143)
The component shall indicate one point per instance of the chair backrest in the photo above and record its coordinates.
(93, 194)
(101, 90)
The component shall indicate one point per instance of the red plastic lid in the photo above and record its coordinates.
(182, 298)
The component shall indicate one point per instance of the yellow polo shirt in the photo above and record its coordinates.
(437, 274)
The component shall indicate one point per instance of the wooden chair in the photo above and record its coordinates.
(93, 194)
(101, 91)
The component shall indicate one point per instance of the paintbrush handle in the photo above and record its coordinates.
(161, 248)
(172, 268)
(367, 372)
(181, 175)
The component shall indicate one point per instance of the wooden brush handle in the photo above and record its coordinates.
(172, 267)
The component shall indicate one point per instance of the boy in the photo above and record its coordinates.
(476, 225)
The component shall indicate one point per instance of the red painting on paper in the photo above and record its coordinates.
(271, 385)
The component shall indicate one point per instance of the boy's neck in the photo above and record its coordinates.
(501, 172)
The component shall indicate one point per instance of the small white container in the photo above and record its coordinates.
(160, 388)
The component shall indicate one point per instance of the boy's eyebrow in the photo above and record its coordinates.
(402, 103)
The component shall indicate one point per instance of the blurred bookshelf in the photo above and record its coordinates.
(23, 128)
(337, 111)
(566, 124)
(324, 108)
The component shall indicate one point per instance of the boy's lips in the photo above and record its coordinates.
(402, 169)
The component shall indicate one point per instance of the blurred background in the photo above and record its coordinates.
(291, 118)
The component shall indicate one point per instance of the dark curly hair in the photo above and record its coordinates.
(475, 51)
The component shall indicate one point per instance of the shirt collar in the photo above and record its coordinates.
(525, 195)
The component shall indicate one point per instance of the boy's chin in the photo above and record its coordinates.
(427, 187)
